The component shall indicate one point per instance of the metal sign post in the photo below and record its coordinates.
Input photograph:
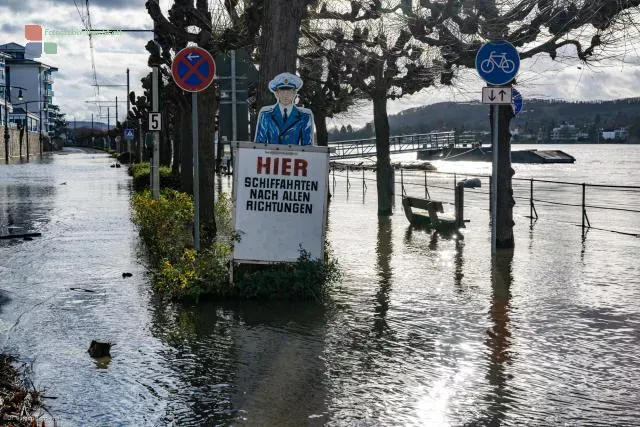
(494, 176)
(196, 172)
(155, 168)
(193, 70)
(497, 62)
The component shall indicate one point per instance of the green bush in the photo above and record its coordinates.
(140, 173)
(165, 224)
(180, 273)
(307, 279)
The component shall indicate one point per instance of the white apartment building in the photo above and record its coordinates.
(36, 79)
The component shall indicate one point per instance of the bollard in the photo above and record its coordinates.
(459, 205)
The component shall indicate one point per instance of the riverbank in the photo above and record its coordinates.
(17, 402)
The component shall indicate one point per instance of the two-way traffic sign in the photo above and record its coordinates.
(496, 95)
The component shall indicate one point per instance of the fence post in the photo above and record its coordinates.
(531, 199)
(426, 190)
(490, 198)
(333, 171)
(348, 182)
(584, 209)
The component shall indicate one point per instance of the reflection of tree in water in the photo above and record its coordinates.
(499, 341)
(202, 356)
(458, 261)
(384, 250)
(259, 360)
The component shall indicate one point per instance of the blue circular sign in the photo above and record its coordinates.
(516, 101)
(497, 62)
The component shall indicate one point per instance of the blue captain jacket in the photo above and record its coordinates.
(298, 129)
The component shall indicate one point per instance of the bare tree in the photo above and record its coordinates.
(589, 29)
(384, 62)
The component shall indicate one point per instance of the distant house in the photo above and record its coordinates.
(565, 132)
(620, 134)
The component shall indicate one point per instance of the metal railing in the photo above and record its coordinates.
(559, 201)
(401, 144)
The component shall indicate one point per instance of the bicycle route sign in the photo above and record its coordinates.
(193, 69)
(497, 62)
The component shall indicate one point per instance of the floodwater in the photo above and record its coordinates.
(425, 330)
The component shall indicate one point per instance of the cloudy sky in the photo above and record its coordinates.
(539, 77)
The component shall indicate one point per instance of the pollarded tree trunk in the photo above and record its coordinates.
(279, 42)
(186, 151)
(505, 202)
(384, 171)
(322, 135)
(207, 107)
(165, 140)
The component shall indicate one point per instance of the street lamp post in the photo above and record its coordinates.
(7, 94)
(26, 108)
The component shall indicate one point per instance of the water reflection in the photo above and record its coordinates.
(384, 250)
(245, 362)
(499, 340)
(458, 261)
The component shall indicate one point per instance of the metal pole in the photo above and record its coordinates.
(26, 118)
(6, 118)
(140, 140)
(75, 135)
(115, 125)
(126, 119)
(583, 205)
(92, 130)
(494, 180)
(40, 124)
(155, 169)
(196, 172)
(531, 199)
(234, 113)
(109, 126)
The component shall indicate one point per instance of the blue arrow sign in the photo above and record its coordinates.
(128, 134)
(516, 101)
(497, 62)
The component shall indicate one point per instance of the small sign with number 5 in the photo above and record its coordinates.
(155, 122)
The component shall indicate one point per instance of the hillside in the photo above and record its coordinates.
(538, 117)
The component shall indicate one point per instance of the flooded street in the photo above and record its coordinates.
(424, 330)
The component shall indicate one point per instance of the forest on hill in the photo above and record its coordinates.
(535, 123)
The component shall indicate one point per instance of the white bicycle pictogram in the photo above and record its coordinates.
(499, 60)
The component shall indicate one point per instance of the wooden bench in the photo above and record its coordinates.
(431, 206)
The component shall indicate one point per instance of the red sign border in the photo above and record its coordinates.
(182, 56)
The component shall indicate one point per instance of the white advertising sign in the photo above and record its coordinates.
(280, 200)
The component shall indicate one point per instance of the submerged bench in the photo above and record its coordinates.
(431, 206)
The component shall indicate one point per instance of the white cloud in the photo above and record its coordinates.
(539, 77)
